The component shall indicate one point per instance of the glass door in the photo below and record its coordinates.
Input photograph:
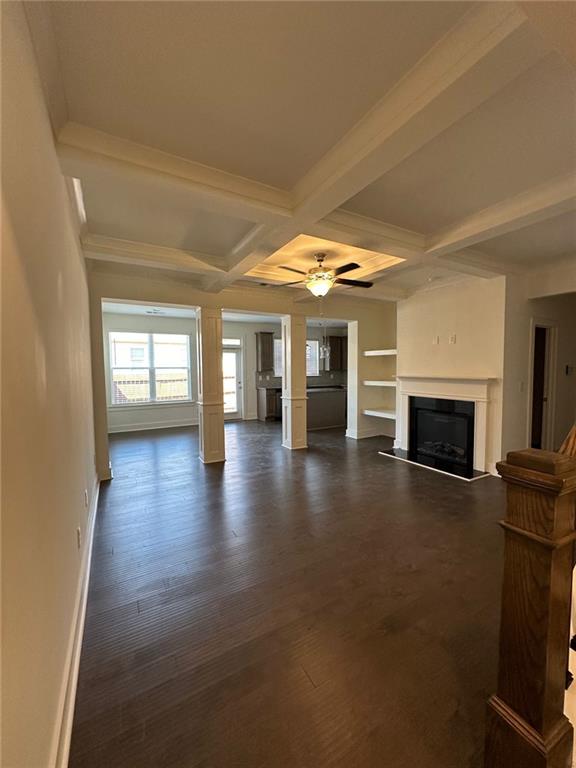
(232, 375)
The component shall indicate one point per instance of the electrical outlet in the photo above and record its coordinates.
(452, 338)
(435, 340)
(79, 537)
(267, 377)
(86, 498)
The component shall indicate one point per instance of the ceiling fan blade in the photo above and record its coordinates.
(345, 268)
(299, 271)
(279, 285)
(354, 283)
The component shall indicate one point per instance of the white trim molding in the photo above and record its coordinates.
(360, 434)
(476, 390)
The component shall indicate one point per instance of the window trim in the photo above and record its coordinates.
(151, 368)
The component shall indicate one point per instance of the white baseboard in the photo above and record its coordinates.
(63, 731)
(360, 434)
(146, 425)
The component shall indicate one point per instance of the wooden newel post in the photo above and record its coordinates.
(526, 727)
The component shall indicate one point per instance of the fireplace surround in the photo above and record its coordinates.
(482, 393)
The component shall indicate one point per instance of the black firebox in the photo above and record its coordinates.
(442, 434)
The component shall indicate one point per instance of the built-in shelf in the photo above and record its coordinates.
(379, 352)
(381, 383)
(380, 414)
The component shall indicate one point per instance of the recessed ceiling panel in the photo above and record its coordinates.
(138, 211)
(262, 90)
(545, 241)
(520, 138)
(299, 254)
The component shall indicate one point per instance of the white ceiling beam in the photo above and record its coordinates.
(371, 234)
(488, 48)
(254, 248)
(472, 262)
(543, 202)
(84, 152)
(103, 248)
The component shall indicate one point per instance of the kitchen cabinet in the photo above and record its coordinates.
(264, 351)
(326, 407)
(338, 353)
(269, 404)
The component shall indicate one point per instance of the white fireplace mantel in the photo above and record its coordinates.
(473, 389)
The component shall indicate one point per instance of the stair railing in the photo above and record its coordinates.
(526, 726)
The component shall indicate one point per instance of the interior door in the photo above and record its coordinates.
(232, 376)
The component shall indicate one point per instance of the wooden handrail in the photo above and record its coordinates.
(526, 726)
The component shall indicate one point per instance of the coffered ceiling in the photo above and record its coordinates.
(261, 90)
(226, 139)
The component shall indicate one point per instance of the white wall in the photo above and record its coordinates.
(472, 310)
(47, 427)
(521, 314)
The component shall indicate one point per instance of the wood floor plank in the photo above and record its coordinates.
(301, 609)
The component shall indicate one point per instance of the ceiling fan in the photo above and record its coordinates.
(320, 279)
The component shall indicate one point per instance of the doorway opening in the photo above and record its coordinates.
(232, 378)
(542, 386)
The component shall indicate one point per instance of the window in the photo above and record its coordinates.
(231, 342)
(278, 357)
(149, 367)
(312, 357)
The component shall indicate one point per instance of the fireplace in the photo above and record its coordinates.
(441, 434)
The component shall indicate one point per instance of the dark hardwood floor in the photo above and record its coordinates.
(328, 607)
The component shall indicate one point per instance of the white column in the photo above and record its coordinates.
(294, 382)
(210, 385)
(353, 420)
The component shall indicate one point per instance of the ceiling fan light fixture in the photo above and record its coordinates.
(320, 283)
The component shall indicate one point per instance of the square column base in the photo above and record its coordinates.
(294, 436)
(211, 433)
(512, 743)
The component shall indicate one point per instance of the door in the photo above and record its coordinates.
(232, 376)
(539, 387)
